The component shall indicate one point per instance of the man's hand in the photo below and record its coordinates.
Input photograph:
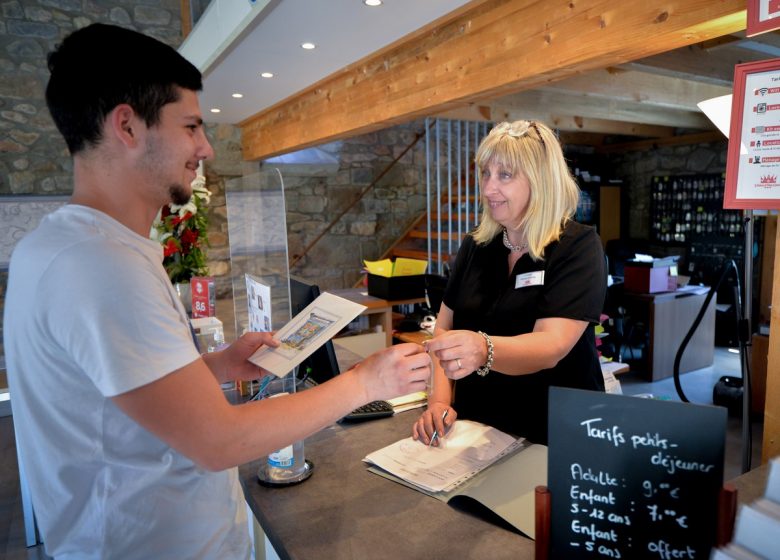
(398, 370)
(231, 364)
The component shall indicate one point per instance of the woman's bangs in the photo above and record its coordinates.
(502, 151)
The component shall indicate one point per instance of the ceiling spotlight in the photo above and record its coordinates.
(267, 75)
(238, 95)
(215, 110)
(372, 3)
(308, 46)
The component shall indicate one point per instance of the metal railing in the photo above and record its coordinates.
(451, 152)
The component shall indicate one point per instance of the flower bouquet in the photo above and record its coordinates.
(181, 229)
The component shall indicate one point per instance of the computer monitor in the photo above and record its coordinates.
(322, 364)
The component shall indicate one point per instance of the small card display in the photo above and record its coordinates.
(204, 296)
(258, 299)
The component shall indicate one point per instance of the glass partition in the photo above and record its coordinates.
(257, 227)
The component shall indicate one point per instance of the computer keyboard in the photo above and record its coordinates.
(370, 411)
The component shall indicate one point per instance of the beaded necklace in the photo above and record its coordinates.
(513, 248)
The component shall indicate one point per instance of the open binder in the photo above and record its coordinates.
(477, 462)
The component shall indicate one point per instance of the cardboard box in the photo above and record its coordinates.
(394, 288)
(649, 280)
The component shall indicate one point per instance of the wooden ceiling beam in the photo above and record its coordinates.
(581, 138)
(486, 49)
(642, 87)
(574, 123)
(712, 66)
(547, 101)
(682, 140)
(561, 122)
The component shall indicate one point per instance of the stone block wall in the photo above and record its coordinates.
(638, 168)
(33, 157)
(316, 194)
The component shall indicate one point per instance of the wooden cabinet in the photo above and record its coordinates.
(669, 316)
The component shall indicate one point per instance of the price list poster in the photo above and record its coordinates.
(753, 166)
(762, 16)
(633, 478)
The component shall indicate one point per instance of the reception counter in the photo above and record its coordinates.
(344, 511)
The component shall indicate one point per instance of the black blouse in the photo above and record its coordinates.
(483, 297)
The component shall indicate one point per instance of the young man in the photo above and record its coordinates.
(128, 442)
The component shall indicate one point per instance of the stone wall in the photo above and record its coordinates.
(316, 194)
(33, 157)
(638, 168)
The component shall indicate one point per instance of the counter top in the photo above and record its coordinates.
(344, 511)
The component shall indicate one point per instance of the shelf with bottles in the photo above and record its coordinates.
(689, 207)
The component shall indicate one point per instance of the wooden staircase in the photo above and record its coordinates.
(445, 238)
(435, 236)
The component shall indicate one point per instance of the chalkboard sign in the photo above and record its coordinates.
(632, 477)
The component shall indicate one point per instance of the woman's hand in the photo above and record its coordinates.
(432, 419)
(459, 352)
(231, 364)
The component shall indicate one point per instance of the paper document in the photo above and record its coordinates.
(307, 331)
(477, 462)
(400, 267)
(408, 402)
(409, 267)
(468, 448)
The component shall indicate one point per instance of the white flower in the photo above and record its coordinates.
(189, 207)
(202, 194)
(199, 183)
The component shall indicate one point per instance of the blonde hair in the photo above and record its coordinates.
(531, 148)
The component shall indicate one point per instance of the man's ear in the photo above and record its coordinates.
(124, 125)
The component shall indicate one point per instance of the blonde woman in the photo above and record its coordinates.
(526, 287)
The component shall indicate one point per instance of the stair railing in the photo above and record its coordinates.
(360, 197)
(457, 142)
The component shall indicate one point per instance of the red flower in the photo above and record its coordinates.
(170, 247)
(189, 237)
(179, 219)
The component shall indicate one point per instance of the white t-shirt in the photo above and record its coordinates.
(90, 314)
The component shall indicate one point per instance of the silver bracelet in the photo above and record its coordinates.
(483, 371)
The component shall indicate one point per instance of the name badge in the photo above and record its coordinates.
(529, 279)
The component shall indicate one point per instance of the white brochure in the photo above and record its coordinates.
(307, 331)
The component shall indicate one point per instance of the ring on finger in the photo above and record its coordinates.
(457, 361)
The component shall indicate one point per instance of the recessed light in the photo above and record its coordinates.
(372, 3)
(308, 46)
(238, 95)
(215, 110)
(267, 75)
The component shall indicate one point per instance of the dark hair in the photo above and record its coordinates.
(101, 66)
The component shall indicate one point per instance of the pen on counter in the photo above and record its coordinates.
(436, 432)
